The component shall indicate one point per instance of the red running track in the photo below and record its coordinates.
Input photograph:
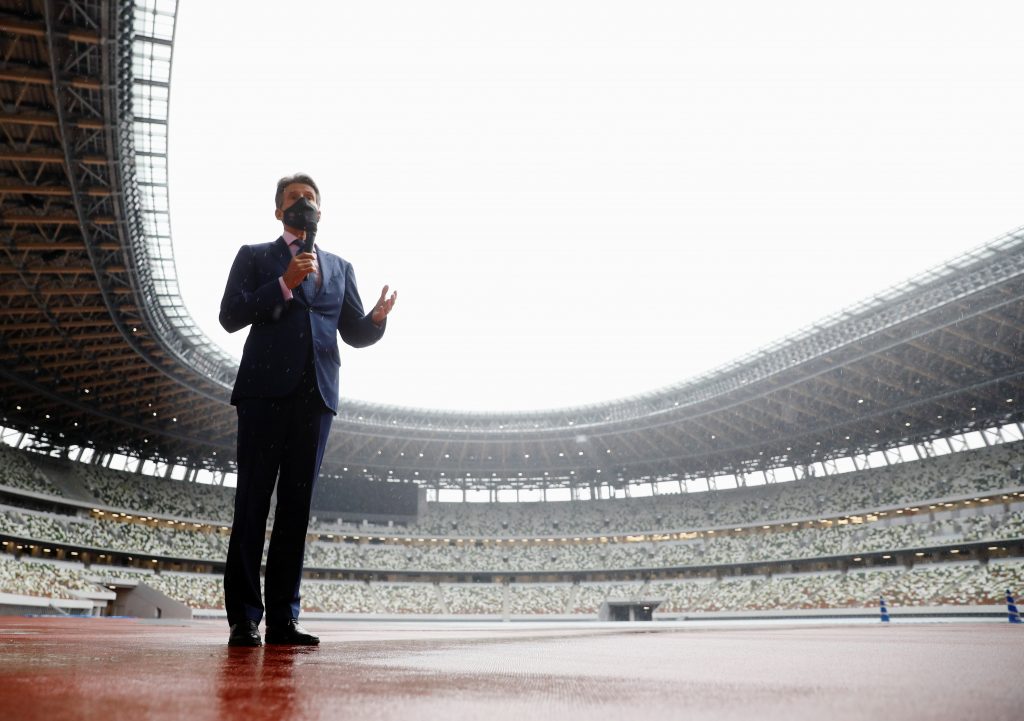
(96, 668)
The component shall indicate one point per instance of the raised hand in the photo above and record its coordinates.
(383, 306)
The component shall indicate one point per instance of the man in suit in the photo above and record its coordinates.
(286, 394)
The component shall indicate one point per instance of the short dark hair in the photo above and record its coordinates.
(296, 178)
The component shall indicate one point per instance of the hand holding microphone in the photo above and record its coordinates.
(301, 215)
(300, 266)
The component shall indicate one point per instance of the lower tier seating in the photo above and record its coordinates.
(937, 584)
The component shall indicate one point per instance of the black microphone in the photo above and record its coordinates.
(310, 236)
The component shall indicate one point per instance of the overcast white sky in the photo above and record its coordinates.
(578, 201)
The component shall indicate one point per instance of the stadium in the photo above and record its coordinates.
(871, 465)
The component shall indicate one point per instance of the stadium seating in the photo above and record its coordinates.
(782, 543)
(42, 578)
(18, 472)
(950, 476)
(515, 538)
(157, 496)
(927, 585)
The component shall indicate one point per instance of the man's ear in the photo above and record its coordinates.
(318, 216)
(279, 213)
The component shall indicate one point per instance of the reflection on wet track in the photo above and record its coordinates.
(77, 668)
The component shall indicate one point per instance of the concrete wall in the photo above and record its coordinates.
(142, 601)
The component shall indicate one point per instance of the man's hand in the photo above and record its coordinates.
(383, 306)
(300, 266)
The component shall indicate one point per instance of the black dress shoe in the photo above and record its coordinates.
(246, 633)
(291, 634)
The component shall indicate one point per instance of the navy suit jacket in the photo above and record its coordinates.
(284, 332)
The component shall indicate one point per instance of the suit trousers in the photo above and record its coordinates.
(280, 441)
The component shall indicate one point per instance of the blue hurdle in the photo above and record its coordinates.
(1012, 614)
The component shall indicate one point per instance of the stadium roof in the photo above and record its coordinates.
(98, 349)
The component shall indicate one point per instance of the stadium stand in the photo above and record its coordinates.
(964, 498)
(927, 585)
(957, 475)
(17, 472)
(43, 578)
(186, 541)
(158, 496)
(405, 598)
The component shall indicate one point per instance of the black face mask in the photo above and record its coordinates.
(301, 215)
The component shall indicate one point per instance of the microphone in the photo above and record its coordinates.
(310, 236)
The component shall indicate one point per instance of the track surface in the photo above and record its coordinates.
(124, 669)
